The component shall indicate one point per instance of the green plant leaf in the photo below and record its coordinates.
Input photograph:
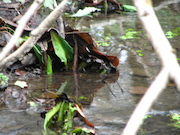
(49, 3)
(139, 51)
(130, 34)
(129, 8)
(37, 50)
(49, 70)
(50, 114)
(70, 115)
(62, 49)
(85, 12)
(3, 79)
(140, 54)
(62, 111)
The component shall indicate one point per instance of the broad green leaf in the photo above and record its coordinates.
(21, 84)
(140, 54)
(61, 113)
(129, 8)
(139, 51)
(68, 125)
(85, 12)
(49, 70)
(50, 114)
(62, 49)
(82, 97)
(37, 50)
(49, 3)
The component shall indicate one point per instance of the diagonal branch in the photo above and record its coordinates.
(20, 28)
(170, 66)
(35, 35)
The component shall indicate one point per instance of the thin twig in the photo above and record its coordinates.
(75, 62)
(108, 87)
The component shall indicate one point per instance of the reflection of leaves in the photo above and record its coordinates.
(102, 43)
(62, 88)
(147, 116)
(140, 52)
(49, 70)
(173, 33)
(176, 117)
(176, 120)
(131, 34)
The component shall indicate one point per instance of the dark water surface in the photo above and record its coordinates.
(105, 105)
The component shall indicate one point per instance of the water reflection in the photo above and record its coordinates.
(135, 70)
(110, 113)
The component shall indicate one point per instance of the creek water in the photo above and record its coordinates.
(104, 103)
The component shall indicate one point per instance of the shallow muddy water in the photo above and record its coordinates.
(104, 103)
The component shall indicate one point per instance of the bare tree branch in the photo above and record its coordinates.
(146, 102)
(35, 35)
(170, 66)
(20, 28)
(165, 3)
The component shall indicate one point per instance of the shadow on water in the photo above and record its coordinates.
(138, 68)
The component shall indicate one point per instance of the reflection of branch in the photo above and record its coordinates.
(20, 28)
(165, 3)
(170, 67)
(35, 35)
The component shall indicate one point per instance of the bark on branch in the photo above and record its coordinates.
(20, 28)
(34, 36)
(170, 66)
